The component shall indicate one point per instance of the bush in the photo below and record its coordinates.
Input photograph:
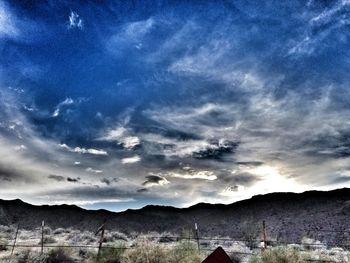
(235, 257)
(185, 252)
(47, 230)
(3, 245)
(111, 254)
(146, 251)
(167, 237)
(48, 240)
(59, 255)
(59, 231)
(24, 256)
(278, 255)
(6, 229)
(118, 236)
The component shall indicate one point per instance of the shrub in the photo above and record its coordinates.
(59, 255)
(278, 255)
(59, 231)
(167, 237)
(185, 252)
(6, 229)
(48, 240)
(24, 256)
(235, 257)
(47, 230)
(111, 254)
(310, 244)
(146, 252)
(3, 245)
(118, 236)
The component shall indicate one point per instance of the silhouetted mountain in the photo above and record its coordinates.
(288, 216)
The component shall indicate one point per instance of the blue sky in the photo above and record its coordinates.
(120, 104)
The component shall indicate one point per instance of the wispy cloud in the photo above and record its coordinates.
(83, 150)
(7, 22)
(130, 34)
(192, 174)
(91, 170)
(75, 21)
(133, 159)
(89, 202)
(67, 101)
(327, 22)
(122, 136)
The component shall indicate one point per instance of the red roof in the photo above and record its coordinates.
(218, 256)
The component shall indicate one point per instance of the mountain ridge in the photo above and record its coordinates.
(344, 190)
(288, 216)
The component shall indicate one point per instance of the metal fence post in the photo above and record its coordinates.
(102, 230)
(42, 236)
(197, 235)
(264, 234)
(14, 242)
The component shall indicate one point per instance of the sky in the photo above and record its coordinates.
(121, 104)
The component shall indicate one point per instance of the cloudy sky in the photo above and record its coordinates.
(120, 104)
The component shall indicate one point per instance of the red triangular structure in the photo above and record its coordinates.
(218, 256)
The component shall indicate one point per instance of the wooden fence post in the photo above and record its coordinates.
(14, 243)
(102, 230)
(264, 234)
(197, 235)
(42, 236)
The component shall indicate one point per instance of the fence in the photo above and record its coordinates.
(265, 242)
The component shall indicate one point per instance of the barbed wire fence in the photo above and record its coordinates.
(263, 242)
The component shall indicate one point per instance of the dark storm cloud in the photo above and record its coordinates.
(250, 163)
(73, 180)
(216, 150)
(8, 175)
(108, 181)
(142, 190)
(14, 175)
(57, 178)
(154, 180)
(233, 188)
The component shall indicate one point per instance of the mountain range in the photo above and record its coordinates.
(321, 215)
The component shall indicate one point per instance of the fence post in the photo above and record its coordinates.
(42, 236)
(264, 234)
(102, 230)
(14, 243)
(197, 235)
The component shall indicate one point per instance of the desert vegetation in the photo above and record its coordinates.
(72, 245)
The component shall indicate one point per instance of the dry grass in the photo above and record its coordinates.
(156, 248)
(278, 255)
